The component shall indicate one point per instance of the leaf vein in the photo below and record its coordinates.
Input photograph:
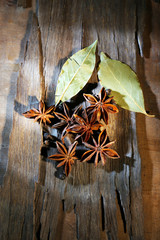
(126, 90)
(75, 74)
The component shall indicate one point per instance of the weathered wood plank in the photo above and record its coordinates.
(102, 203)
(12, 49)
(148, 130)
(116, 36)
(24, 3)
(16, 202)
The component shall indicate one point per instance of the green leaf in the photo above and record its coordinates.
(75, 73)
(123, 82)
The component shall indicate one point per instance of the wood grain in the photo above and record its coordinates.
(16, 203)
(148, 129)
(108, 202)
(85, 27)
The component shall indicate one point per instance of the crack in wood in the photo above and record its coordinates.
(38, 232)
(109, 235)
(121, 210)
(102, 213)
(24, 3)
(23, 223)
(63, 205)
(77, 222)
(26, 49)
(48, 234)
(41, 198)
(49, 26)
(139, 28)
(11, 3)
(41, 59)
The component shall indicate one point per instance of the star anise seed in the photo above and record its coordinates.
(99, 149)
(66, 119)
(67, 157)
(42, 114)
(84, 127)
(101, 105)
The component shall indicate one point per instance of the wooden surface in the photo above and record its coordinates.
(119, 201)
(148, 129)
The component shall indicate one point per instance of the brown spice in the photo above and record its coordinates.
(100, 149)
(100, 105)
(67, 157)
(42, 114)
(85, 126)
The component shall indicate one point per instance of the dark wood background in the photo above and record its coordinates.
(119, 201)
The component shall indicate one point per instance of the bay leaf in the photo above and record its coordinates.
(75, 73)
(123, 82)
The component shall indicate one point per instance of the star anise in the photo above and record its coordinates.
(85, 126)
(42, 114)
(67, 157)
(66, 119)
(99, 149)
(100, 105)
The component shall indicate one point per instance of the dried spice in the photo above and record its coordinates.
(99, 149)
(67, 157)
(66, 120)
(93, 121)
(85, 126)
(42, 115)
(101, 105)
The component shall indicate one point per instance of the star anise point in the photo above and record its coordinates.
(84, 126)
(42, 115)
(67, 157)
(101, 105)
(100, 149)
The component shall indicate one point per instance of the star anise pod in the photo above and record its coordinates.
(67, 157)
(42, 114)
(66, 119)
(100, 105)
(99, 149)
(85, 126)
